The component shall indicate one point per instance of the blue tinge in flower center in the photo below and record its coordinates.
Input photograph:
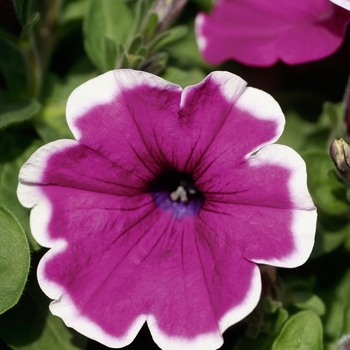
(176, 191)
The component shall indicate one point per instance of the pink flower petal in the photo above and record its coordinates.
(254, 121)
(273, 224)
(122, 250)
(152, 128)
(137, 258)
(260, 33)
(124, 114)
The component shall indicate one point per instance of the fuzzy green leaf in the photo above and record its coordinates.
(327, 191)
(18, 111)
(308, 301)
(302, 331)
(108, 18)
(14, 260)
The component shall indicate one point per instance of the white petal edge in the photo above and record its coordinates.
(214, 340)
(246, 306)
(305, 214)
(261, 105)
(104, 89)
(29, 191)
(33, 169)
(342, 3)
(202, 41)
(231, 86)
(65, 308)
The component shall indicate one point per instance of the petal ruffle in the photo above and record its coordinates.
(145, 122)
(110, 270)
(208, 103)
(254, 121)
(294, 32)
(264, 207)
(121, 114)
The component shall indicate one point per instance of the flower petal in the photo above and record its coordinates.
(207, 103)
(265, 208)
(294, 32)
(111, 269)
(121, 113)
(254, 121)
(143, 123)
(68, 164)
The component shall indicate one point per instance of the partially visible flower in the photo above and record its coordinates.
(167, 11)
(159, 212)
(259, 33)
(342, 3)
(340, 154)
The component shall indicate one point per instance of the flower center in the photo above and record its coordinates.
(176, 191)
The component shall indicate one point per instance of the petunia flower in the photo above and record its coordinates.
(163, 206)
(342, 3)
(259, 33)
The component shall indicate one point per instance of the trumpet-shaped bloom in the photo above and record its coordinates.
(259, 33)
(163, 206)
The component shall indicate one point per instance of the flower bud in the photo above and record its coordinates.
(167, 11)
(340, 153)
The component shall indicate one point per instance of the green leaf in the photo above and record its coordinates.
(332, 231)
(14, 260)
(170, 36)
(73, 11)
(185, 51)
(183, 78)
(32, 21)
(14, 67)
(135, 45)
(302, 331)
(108, 18)
(308, 301)
(30, 325)
(150, 26)
(109, 49)
(18, 111)
(205, 5)
(327, 191)
(295, 125)
(281, 318)
(24, 9)
(337, 318)
(16, 146)
(51, 122)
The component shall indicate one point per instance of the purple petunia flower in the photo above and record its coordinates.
(259, 33)
(161, 208)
